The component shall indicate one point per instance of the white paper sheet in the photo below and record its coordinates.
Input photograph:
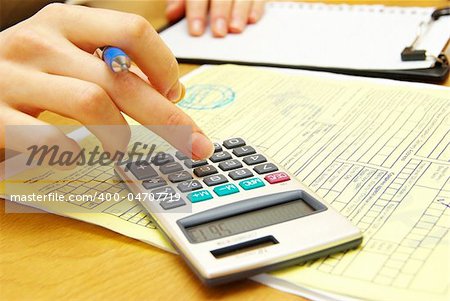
(334, 36)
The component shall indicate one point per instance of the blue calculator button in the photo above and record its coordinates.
(251, 183)
(199, 196)
(226, 189)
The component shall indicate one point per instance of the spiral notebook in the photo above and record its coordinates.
(352, 39)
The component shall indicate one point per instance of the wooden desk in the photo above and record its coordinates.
(44, 256)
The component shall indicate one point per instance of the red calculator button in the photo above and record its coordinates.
(277, 177)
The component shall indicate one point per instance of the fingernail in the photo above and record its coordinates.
(196, 27)
(183, 93)
(237, 25)
(220, 27)
(253, 17)
(175, 94)
(202, 147)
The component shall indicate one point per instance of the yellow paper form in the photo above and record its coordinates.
(107, 203)
(378, 153)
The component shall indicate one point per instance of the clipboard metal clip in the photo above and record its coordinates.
(410, 53)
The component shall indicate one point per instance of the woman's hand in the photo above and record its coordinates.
(46, 63)
(225, 15)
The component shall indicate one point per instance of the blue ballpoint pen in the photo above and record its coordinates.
(116, 59)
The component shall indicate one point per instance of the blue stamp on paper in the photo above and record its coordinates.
(207, 97)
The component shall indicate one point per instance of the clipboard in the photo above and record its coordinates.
(436, 72)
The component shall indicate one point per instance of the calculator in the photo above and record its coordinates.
(237, 213)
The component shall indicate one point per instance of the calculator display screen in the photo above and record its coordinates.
(248, 221)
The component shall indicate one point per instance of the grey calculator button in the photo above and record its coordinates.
(230, 164)
(172, 203)
(265, 168)
(233, 142)
(254, 159)
(179, 177)
(204, 171)
(181, 156)
(170, 168)
(243, 151)
(163, 193)
(217, 147)
(194, 163)
(190, 185)
(142, 170)
(240, 174)
(215, 180)
(162, 158)
(154, 183)
(220, 156)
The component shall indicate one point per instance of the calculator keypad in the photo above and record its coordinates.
(233, 168)
(199, 196)
(254, 159)
(170, 168)
(220, 156)
(161, 193)
(180, 177)
(204, 171)
(142, 170)
(167, 204)
(217, 147)
(194, 163)
(277, 177)
(189, 185)
(243, 151)
(230, 164)
(215, 180)
(233, 142)
(181, 156)
(251, 183)
(265, 168)
(154, 183)
(162, 158)
(240, 174)
(226, 189)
